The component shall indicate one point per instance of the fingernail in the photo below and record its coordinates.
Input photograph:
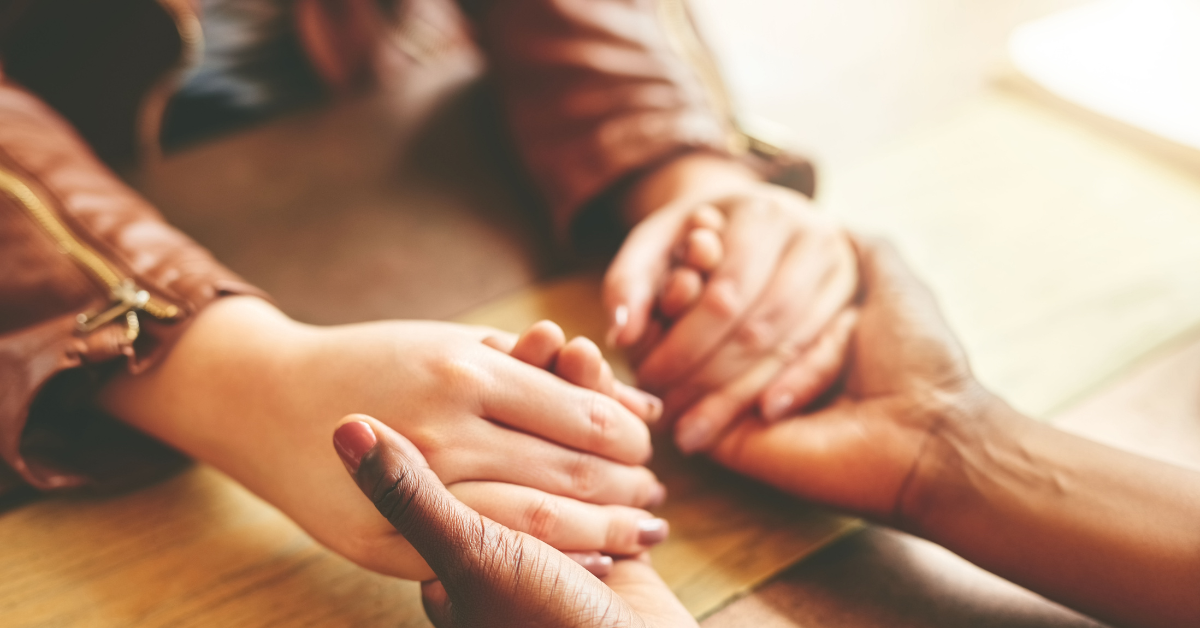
(352, 441)
(690, 439)
(652, 531)
(777, 406)
(655, 411)
(598, 566)
(620, 320)
(657, 496)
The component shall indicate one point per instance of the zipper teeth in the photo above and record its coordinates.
(68, 244)
(683, 37)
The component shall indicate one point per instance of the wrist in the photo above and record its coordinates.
(211, 381)
(696, 175)
(968, 432)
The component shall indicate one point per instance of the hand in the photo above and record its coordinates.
(907, 375)
(777, 297)
(914, 441)
(255, 394)
(489, 575)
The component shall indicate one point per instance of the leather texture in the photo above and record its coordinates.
(593, 92)
(43, 289)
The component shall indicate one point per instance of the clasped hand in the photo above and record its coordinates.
(734, 296)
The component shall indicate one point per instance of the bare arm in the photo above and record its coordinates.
(916, 442)
(1098, 529)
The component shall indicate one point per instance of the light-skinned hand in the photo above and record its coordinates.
(255, 394)
(777, 297)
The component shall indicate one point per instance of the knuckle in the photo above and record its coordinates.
(722, 299)
(602, 421)
(790, 350)
(622, 532)
(585, 476)
(393, 493)
(645, 487)
(757, 335)
(542, 518)
(458, 372)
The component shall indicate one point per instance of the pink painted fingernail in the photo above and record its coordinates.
(657, 496)
(690, 439)
(655, 411)
(352, 441)
(777, 406)
(620, 320)
(598, 566)
(653, 531)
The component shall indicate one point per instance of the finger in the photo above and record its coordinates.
(539, 345)
(439, 609)
(503, 455)
(632, 281)
(707, 217)
(755, 243)
(596, 563)
(437, 604)
(540, 403)
(394, 476)
(681, 291)
(816, 277)
(806, 379)
(563, 523)
(808, 456)
(503, 344)
(655, 331)
(702, 424)
(885, 274)
(703, 250)
(581, 363)
(483, 566)
(640, 402)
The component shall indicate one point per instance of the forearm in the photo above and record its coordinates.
(1095, 528)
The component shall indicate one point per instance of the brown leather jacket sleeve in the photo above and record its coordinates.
(74, 242)
(597, 90)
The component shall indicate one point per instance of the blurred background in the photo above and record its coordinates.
(840, 79)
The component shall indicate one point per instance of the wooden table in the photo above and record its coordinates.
(303, 205)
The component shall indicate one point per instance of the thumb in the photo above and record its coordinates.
(884, 273)
(390, 470)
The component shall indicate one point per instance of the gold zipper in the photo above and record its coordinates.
(127, 298)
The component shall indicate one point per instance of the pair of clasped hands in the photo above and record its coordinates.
(508, 469)
(751, 319)
(855, 452)
(737, 302)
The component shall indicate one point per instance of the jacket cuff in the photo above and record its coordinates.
(94, 281)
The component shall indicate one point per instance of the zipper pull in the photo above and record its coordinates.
(127, 300)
